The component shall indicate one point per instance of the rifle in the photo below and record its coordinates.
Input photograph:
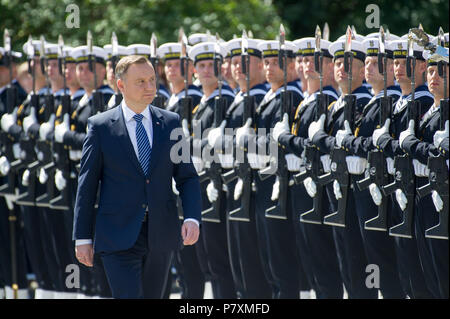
(186, 100)
(115, 57)
(185, 103)
(405, 178)
(60, 153)
(339, 170)
(438, 177)
(97, 96)
(212, 214)
(243, 169)
(158, 101)
(280, 209)
(312, 154)
(378, 173)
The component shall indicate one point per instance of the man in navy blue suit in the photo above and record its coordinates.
(136, 227)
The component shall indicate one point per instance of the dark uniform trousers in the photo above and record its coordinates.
(350, 251)
(319, 250)
(245, 253)
(433, 253)
(378, 245)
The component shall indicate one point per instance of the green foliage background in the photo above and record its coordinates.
(135, 20)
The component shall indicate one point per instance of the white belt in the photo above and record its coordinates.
(356, 165)
(326, 163)
(420, 170)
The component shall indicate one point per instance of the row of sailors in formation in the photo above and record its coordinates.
(281, 251)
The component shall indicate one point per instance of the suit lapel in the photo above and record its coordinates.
(121, 131)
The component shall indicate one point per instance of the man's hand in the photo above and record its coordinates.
(244, 132)
(281, 127)
(85, 254)
(341, 134)
(440, 135)
(316, 126)
(62, 128)
(189, 232)
(8, 120)
(378, 132)
(408, 132)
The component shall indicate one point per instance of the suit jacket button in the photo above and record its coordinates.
(144, 206)
(147, 181)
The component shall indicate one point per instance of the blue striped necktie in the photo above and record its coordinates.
(143, 144)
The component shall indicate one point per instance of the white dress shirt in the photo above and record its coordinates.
(130, 123)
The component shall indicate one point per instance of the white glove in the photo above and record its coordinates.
(315, 127)
(61, 129)
(375, 193)
(440, 135)
(281, 127)
(43, 177)
(310, 186)
(337, 190)
(4, 166)
(437, 201)
(47, 127)
(185, 127)
(401, 199)
(215, 134)
(293, 162)
(378, 132)
(238, 189)
(409, 131)
(198, 163)
(356, 165)
(8, 120)
(275, 190)
(26, 178)
(174, 187)
(29, 120)
(244, 131)
(60, 181)
(212, 192)
(341, 134)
